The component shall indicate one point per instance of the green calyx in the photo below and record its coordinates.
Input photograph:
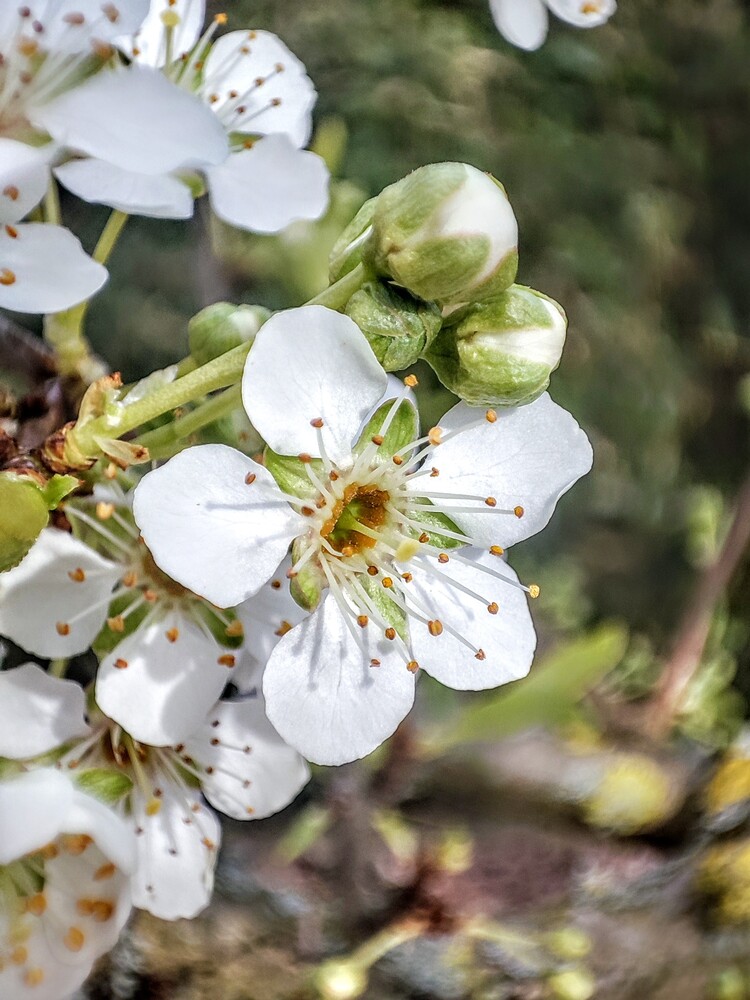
(222, 326)
(25, 504)
(102, 783)
(501, 352)
(353, 245)
(398, 327)
(402, 430)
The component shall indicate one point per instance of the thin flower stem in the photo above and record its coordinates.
(110, 235)
(181, 428)
(223, 371)
(338, 294)
(58, 668)
(52, 213)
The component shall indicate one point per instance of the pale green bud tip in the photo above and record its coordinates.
(397, 326)
(447, 233)
(222, 326)
(340, 980)
(572, 984)
(503, 351)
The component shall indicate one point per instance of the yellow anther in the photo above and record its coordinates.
(220, 18)
(62, 628)
(236, 629)
(121, 664)
(227, 660)
(534, 590)
(116, 623)
(435, 627)
(75, 939)
(390, 633)
(362, 621)
(172, 634)
(170, 19)
(283, 628)
(518, 511)
(7, 277)
(443, 558)
(412, 381)
(435, 435)
(496, 550)
(493, 608)
(104, 510)
(412, 666)
(106, 871)
(153, 807)
(387, 582)
(490, 416)
(36, 904)
(317, 423)
(490, 501)
(76, 843)
(250, 478)
(34, 977)
(77, 575)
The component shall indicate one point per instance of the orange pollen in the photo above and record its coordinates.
(390, 633)
(412, 381)
(398, 460)
(34, 977)
(74, 18)
(172, 634)
(250, 478)
(317, 422)
(283, 629)
(518, 511)
(116, 623)
(12, 192)
(220, 18)
(77, 575)
(496, 550)
(227, 660)
(387, 582)
(362, 621)
(490, 416)
(407, 577)
(435, 435)
(12, 232)
(412, 666)
(480, 655)
(491, 502)
(236, 629)
(130, 579)
(377, 439)
(304, 457)
(75, 939)
(7, 277)
(106, 871)
(104, 510)
(435, 627)
(374, 663)
(424, 537)
(443, 558)
(493, 608)
(36, 904)
(121, 664)
(435, 472)
(307, 511)
(372, 570)
(62, 628)
(151, 596)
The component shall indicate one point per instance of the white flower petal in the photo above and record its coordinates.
(583, 13)
(283, 102)
(24, 176)
(159, 690)
(65, 35)
(269, 186)
(253, 773)
(45, 591)
(177, 846)
(136, 119)
(149, 45)
(44, 269)
(307, 364)
(38, 712)
(506, 638)
(203, 495)
(528, 457)
(33, 806)
(324, 697)
(521, 22)
(159, 196)
(269, 614)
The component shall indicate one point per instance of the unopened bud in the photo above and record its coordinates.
(447, 233)
(348, 248)
(25, 503)
(503, 351)
(398, 327)
(338, 979)
(220, 327)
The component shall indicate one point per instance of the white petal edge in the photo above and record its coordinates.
(158, 196)
(38, 712)
(323, 696)
(269, 186)
(311, 364)
(40, 593)
(24, 176)
(521, 22)
(244, 528)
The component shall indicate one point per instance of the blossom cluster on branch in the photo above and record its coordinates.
(261, 546)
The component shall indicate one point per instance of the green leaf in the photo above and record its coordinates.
(402, 430)
(104, 784)
(547, 697)
(289, 473)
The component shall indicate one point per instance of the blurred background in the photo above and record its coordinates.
(581, 833)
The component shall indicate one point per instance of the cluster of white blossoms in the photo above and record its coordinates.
(247, 609)
(129, 104)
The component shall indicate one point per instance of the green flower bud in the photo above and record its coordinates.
(25, 503)
(398, 327)
(220, 327)
(348, 248)
(447, 233)
(501, 352)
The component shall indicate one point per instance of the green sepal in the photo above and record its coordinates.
(391, 613)
(441, 268)
(307, 586)
(349, 248)
(433, 520)
(404, 207)
(104, 783)
(221, 327)
(398, 327)
(403, 429)
(57, 488)
(107, 638)
(23, 516)
(289, 473)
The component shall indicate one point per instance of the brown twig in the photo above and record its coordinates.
(695, 625)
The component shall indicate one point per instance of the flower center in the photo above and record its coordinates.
(360, 506)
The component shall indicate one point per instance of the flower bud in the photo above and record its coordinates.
(447, 233)
(348, 249)
(398, 327)
(220, 327)
(501, 352)
(25, 502)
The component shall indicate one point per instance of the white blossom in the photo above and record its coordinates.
(233, 757)
(377, 520)
(65, 865)
(525, 22)
(260, 98)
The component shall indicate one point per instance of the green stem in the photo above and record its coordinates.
(181, 428)
(57, 668)
(52, 212)
(338, 294)
(64, 330)
(217, 374)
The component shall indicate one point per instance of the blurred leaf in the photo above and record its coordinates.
(547, 697)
